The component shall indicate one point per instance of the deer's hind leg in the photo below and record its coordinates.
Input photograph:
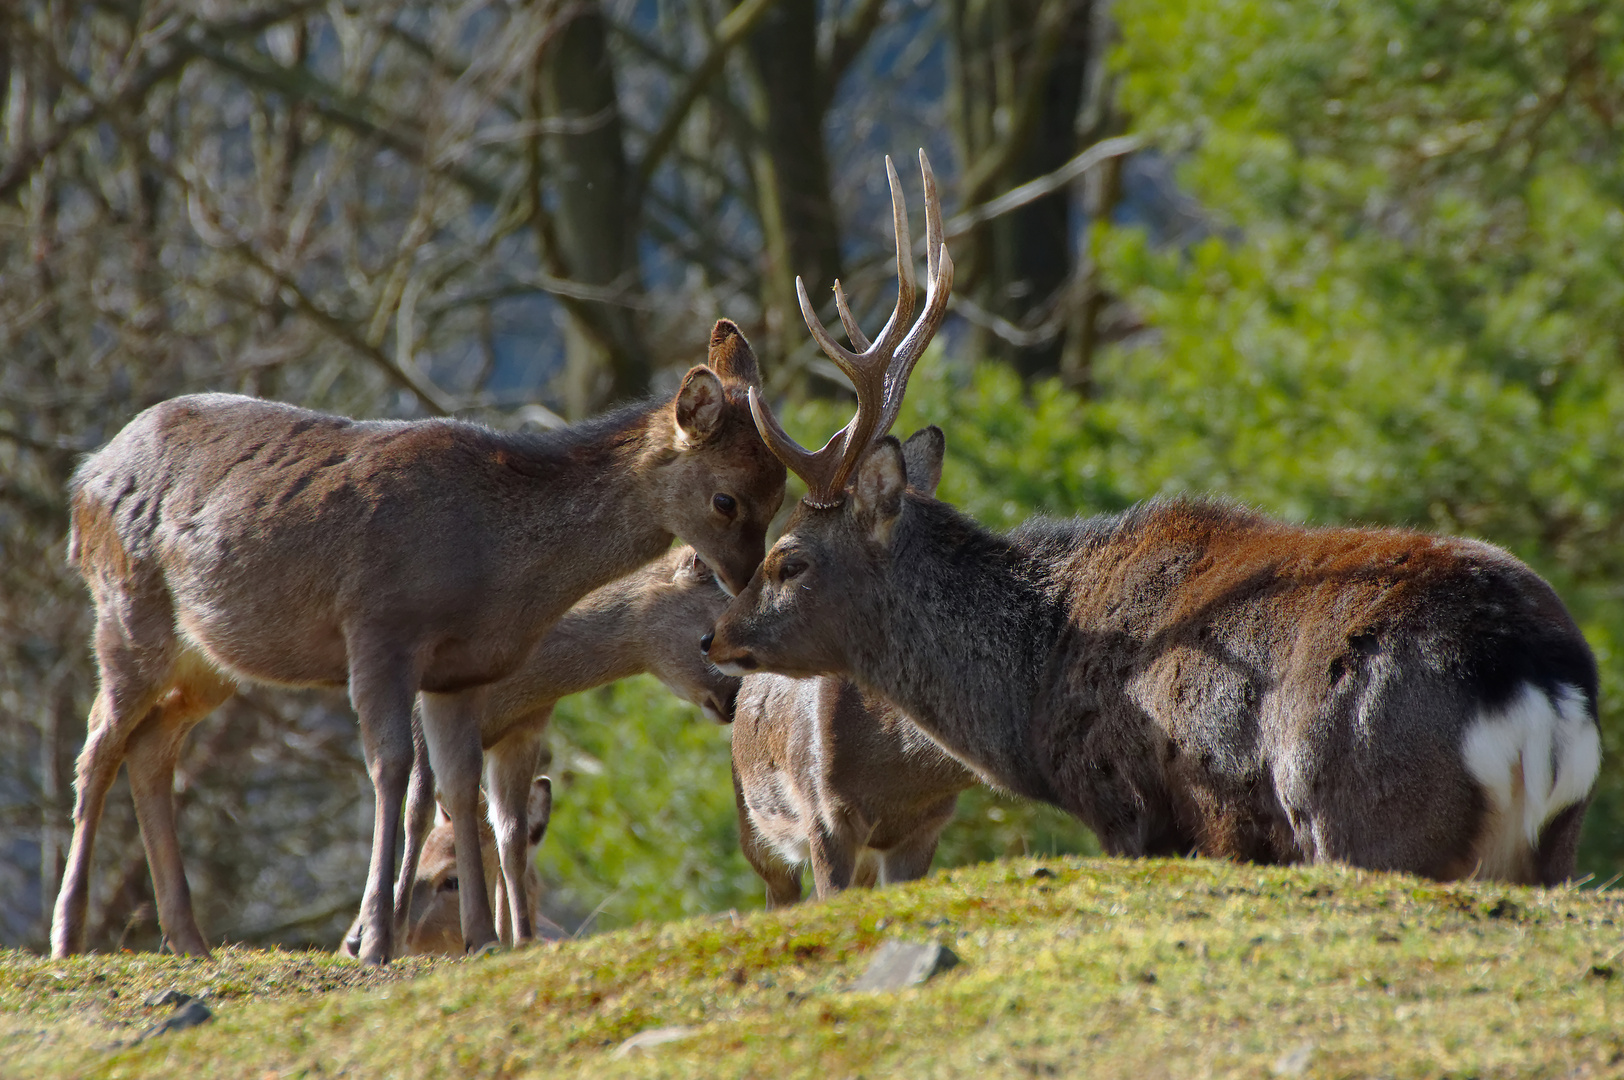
(419, 816)
(510, 770)
(150, 756)
(783, 880)
(451, 725)
(911, 859)
(136, 651)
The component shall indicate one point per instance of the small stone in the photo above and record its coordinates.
(1295, 1061)
(1043, 872)
(652, 1037)
(901, 964)
(171, 996)
(189, 1015)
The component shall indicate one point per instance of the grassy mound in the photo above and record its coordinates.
(1070, 967)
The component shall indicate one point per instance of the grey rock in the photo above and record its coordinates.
(171, 996)
(652, 1037)
(189, 1015)
(901, 964)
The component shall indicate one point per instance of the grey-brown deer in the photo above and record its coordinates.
(828, 775)
(435, 926)
(226, 538)
(648, 622)
(1187, 676)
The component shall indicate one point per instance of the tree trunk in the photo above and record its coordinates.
(604, 355)
(1022, 71)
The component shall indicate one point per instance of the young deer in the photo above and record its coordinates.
(647, 621)
(826, 774)
(435, 926)
(226, 538)
(1188, 676)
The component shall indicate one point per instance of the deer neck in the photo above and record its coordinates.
(596, 642)
(594, 519)
(965, 629)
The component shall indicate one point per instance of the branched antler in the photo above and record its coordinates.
(879, 370)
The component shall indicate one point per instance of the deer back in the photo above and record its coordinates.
(276, 535)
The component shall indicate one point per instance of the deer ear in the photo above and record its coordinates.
(877, 495)
(923, 455)
(539, 811)
(693, 568)
(731, 356)
(698, 406)
(440, 816)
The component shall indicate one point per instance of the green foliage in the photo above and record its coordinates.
(1413, 307)
(643, 819)
(1409, 312)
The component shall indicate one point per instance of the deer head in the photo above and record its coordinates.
(821, 585)
(805, 606)
(683, 609)
(718, 487)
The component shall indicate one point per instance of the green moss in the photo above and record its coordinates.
(1107, 967)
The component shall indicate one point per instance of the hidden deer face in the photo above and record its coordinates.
(677, 613)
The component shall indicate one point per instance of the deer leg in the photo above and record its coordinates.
(510, 769)
(419, 817)
(132, 678)
(783, 881)
(381, 689)
(451, 730)
(150, 757)
(834, 859)
(911, 859)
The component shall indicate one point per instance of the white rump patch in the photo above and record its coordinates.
(1534, 757)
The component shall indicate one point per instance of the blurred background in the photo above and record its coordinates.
(1359, 261)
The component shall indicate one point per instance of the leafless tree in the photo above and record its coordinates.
(505, 210)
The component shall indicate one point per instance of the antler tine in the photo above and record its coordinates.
(854, 333)
(933, 223)
(844, 359)
(879, 371)
(907, 287)
(816, 468)
(938, 287)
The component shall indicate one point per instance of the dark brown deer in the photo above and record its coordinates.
(828, 775)
(226, 539)
(1187, 676)
(645, 622)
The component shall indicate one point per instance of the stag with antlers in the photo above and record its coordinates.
(1186, 676)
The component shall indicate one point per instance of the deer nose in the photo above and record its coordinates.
(705, 642)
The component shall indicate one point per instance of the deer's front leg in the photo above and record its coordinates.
(382, 685)
(451, 731)
(510, 768)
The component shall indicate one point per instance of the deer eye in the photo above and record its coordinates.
(725, 504)
(449, 884)
(791, 568)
